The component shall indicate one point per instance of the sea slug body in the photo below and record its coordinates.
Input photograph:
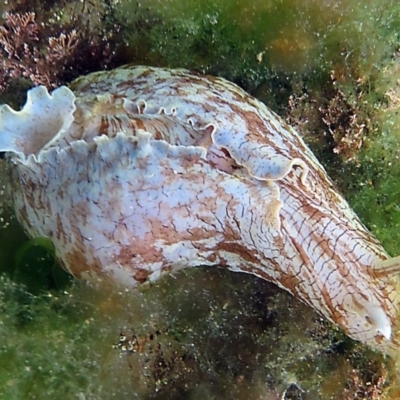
(140, 171)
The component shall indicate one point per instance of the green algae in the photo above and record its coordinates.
(188, 325)
(240, 39)
(375, 190)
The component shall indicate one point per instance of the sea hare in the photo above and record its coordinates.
(140, 171)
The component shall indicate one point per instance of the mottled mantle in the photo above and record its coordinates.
(140, 171)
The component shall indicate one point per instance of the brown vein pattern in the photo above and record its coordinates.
(151, 170)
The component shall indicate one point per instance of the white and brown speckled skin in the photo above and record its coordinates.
(141, 171)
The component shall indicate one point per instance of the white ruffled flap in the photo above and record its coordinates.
(42, 121)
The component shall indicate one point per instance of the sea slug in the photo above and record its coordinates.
(140, 171)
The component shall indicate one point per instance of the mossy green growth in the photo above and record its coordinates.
(371, 182)
(373, 189)
(241, 40)
(36, 266)
(205, 332)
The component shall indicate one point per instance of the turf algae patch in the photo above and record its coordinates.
(167, 342)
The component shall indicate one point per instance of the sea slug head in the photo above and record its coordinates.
(345, 272)
(367, 320)
(369, 309)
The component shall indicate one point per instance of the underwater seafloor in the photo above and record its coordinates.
(329, 68)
